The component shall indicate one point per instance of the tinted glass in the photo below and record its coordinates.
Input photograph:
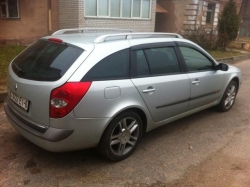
(139, 64)
(162, 60)
(45, 61)
(115, 66)
(195, 60)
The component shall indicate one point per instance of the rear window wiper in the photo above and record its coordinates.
(19, 70)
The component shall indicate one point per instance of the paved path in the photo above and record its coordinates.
(206, 149)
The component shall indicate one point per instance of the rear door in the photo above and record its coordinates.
(205, 81)
(160, 80)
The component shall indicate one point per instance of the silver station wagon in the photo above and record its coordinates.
(82, 88)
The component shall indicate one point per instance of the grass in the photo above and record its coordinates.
(223, 54)
(7, 53)
(233, 45)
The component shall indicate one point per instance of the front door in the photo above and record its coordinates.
(159, 79)
(205, 81)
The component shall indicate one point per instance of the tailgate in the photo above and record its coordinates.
(38, 70)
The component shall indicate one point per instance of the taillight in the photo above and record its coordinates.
(64, 98)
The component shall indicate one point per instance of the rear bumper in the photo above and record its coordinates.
(69, 134)
(50, 134)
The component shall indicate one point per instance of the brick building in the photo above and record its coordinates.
(245, 18)
(22, 21)
(186, 14)
(138, 15)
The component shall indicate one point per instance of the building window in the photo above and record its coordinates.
(9, 8)
(138, 9)
(210, 13)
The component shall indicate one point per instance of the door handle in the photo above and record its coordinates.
(196, 81)
(149, 89)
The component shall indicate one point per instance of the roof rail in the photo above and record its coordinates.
(86, 30)
(123, 36)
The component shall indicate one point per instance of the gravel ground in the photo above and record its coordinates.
(206, 149)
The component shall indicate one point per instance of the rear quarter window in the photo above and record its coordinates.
(45, 61)
(114, 66)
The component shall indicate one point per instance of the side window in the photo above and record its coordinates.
(162, 60)
(195, 61)
(114, 66)
(139, 64)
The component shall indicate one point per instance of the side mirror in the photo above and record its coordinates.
(222, 67)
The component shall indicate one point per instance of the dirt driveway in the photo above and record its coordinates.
(206, 149)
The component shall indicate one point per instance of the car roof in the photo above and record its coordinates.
(78, 40)
(88, 36)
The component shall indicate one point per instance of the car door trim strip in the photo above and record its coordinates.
(190, 99)
(204, 95)
(174, 103)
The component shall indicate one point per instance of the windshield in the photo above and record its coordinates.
(45, 61)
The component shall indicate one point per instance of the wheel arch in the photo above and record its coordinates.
(137, 110)
(142, 115)
(236, 79)
(221, 106)
(232, 78)
(105, 146)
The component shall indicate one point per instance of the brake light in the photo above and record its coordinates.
(55, 40)
(64, 98)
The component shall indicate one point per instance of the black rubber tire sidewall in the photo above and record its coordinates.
(104, 145)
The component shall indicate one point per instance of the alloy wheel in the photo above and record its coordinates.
(124, 136)
(231, 93)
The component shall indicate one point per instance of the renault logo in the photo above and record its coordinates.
(15, 87)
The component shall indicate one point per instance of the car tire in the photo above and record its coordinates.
(229, 97)
(121, 137)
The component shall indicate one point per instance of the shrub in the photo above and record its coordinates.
(228, 24)
(203, 36)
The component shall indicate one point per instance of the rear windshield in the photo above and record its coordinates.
(45, 61)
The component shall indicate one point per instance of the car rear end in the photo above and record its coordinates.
(40, 98)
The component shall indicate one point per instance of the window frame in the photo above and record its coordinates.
(7, 10)
(212, 14)
(156, 45)
(188, 45)
(121, 3)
